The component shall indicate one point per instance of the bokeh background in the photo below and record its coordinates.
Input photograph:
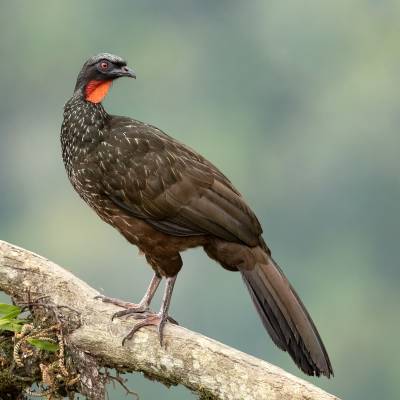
(297, 102)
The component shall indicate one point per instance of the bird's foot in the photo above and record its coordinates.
(158, 320)
(130, 308)
(137, 310)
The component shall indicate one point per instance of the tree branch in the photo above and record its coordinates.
(203, 365)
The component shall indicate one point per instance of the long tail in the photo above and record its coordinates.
(285, 317)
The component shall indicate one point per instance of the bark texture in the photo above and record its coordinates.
(203, 365)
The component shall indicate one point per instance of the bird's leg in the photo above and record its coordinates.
(160, 318)
(131, 308)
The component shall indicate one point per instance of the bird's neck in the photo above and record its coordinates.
(84, 126)
(78, 104)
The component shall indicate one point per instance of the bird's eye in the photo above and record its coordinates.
(104, 65)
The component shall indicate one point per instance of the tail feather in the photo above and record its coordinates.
(285, 317)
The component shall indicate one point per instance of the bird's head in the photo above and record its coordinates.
(97, 74)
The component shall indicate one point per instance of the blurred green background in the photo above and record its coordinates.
(296, 101)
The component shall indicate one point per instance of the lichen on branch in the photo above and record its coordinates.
(209, 368)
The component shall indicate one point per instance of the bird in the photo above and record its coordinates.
(165, 198)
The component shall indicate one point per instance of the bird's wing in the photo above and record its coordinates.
(173, 188)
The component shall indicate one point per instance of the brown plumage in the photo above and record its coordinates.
(165, 198)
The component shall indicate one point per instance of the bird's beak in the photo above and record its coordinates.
(126, 71)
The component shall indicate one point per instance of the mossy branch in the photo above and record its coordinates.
(203, 365)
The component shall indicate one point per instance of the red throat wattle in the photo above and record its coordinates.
(95, 91)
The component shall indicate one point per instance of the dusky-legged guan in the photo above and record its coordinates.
(165, 198)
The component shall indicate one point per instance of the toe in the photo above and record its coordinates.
(137, 312)
(161, 331)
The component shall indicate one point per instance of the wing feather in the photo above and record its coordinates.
(175, 189)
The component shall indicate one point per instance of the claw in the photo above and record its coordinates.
(132, 308)
(141, 310)
(153, 320)
(121, 303)
(157, 320)
(135, 309)
(161, 330)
